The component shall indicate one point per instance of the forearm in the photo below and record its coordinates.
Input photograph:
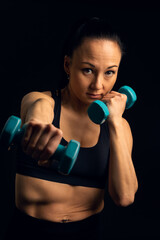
(41, 110)
(122, 177)
(41, 138)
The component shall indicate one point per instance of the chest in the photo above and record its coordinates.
(79, 128)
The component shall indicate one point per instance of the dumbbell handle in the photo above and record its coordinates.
(12, 132)
(20, 134)
(98, 110)
(57, 153)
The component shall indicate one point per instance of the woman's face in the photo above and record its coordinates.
(93, 69)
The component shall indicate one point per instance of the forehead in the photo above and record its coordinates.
(98, 50)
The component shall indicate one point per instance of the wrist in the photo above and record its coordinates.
(116, 121)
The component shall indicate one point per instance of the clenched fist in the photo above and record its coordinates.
(116, 103)
(40, 141)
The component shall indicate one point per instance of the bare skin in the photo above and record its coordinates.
(93, 71)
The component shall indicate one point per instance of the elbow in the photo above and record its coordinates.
(31, 99)
(124, 201)
(124, 198)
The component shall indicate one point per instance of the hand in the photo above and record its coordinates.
(116, 103)
(40, 141)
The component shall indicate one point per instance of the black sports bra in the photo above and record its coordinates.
(90, 169)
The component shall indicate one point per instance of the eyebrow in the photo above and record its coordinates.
(94, 66)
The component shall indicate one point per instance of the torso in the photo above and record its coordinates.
(59, 202)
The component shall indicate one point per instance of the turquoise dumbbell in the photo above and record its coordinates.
(98, 110)
(66, 156)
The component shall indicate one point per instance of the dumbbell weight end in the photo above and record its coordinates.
(98, 110)
(131, 95)
(71, 152)
(11, 131)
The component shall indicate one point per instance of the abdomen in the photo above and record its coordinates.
(55, 201)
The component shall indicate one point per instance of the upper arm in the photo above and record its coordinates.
(29, 99)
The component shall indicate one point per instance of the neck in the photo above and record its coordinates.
(69, 99)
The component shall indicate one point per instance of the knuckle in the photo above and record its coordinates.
(59, 132)
(35, 125)
(49, 151)
(123, 97)
(56, 131)
(32, 146)
(30, 124)
(36, 129)
(48, 128)
(40, 148)
(38, 126)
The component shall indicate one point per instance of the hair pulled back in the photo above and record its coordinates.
(95, 28)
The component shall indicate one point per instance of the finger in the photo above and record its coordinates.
(108, 98)
(51, 146)
(42, 141)
(112, 93)
(26, 136)
(36, 133)
(115, 94)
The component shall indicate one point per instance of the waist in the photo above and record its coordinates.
(55, 201)
(43, 229)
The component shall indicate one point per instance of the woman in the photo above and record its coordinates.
(52, 205)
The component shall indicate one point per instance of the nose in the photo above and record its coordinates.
(97, 83)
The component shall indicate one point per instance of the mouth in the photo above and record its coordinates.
(94, 96)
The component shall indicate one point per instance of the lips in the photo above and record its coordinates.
(91, 95)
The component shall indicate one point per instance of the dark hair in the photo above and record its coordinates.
(91, 28)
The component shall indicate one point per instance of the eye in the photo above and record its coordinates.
(110, 73)
(87, 71)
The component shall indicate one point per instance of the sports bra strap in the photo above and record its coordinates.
(56, 94)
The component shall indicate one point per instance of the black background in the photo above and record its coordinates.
(32, 36)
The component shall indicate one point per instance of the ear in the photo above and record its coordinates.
(67, 63)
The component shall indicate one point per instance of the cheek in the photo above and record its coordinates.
(78, 80)
(76, 84)
(110, 84)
